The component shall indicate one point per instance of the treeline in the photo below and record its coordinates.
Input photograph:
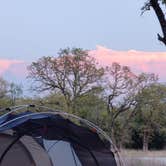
(129, 107)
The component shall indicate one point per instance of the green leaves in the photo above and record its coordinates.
(151, 112)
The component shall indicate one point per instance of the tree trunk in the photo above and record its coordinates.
(113, 136)
(161, 17)
(145, 140)
(120, 145)
(68, 106)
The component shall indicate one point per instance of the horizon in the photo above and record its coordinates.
(138, 61)
(33, 29)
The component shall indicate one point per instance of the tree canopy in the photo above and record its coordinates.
(122, 86)
(151, 113)
(72, 73)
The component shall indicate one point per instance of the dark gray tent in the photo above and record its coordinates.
(52, 138)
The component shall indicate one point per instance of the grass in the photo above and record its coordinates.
(140, 158)
(139, 162)
(140, 153)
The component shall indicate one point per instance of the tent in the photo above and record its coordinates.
(52, 138)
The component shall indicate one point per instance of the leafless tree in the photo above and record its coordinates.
(3, 87)
(73, 73)
(122, 88)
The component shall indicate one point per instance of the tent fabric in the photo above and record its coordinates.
(81, 146)
(62, 153)
(18, 154)
(40, 157)
(26, 150)
(103, 157)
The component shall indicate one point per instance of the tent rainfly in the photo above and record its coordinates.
(52, 138)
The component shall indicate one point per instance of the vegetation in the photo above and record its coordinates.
(122, 87)
(9, 93)
(129, 107)
(72, 74)
(140, 158)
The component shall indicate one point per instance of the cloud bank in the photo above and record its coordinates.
(138, 61)
(14, 67)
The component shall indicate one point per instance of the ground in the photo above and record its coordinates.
(140, 158)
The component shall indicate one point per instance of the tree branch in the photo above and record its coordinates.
(161, 17)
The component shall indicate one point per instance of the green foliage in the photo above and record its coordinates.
(90, 106)
(54, 101)
(151, 112)
(163, 1)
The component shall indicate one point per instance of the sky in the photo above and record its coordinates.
(32, 29)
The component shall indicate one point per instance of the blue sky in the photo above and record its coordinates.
(34, 28)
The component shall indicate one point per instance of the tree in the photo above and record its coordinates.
(158, 6)
(91, 106)
(151, 113)
(122, 87)
(14, 92)
(73, 74)
(9, 92)
(3, 88)
(3, 93)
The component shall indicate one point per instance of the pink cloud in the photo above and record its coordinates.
(138, 61)
(16, 67)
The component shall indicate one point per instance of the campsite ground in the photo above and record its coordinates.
(140, 158)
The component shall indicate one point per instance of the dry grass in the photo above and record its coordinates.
(139, 153)
(139, 162)
(140, 158)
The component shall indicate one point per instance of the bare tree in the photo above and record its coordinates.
(15, 91)
(73, 73)
(3, 87)
(122, 88)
